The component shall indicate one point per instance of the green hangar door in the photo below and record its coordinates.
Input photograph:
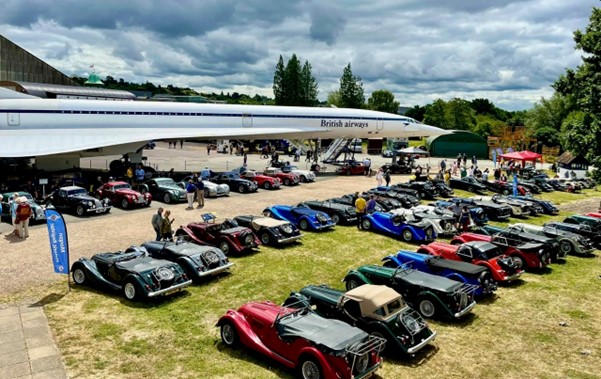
(460, 141)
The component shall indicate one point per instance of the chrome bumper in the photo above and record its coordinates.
(99, 210)
(466, 310)
(421, 345)
(170, 289)
(513, 277)
(214, 271)
(290, 239)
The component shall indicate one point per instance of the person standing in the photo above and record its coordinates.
(387, 177)
(23, 215)
(447, 178)
(166, 230)
(371, 205)
(157, 221)
(130, 174)
(366, 166)
(244, 159)
(190, 192)
(464, 156)
(209, 149)
(443, 165)
(360, 207)
(380, 176)
(464, 218)
(200, 192)
(140, 173)
(13, 203)
(181, 143)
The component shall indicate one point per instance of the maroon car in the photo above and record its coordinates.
(353, 168)
(122, 195)
(262, 181)
(226, 235)
(288, 178)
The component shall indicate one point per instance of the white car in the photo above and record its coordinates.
(443, 224)
(518, 208)
(304, 175)
(215, 190)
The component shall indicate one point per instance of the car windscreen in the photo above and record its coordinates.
(122, 186)
(165, 182)
(75, 192)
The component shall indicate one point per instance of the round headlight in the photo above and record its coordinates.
(90, 203)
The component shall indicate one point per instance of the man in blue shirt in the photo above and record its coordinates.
(371, 205)
(190, 192)
(140, 174)
(200, 192)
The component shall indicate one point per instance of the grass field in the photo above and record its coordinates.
(515, 334)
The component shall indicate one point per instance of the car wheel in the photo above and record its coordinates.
(505, 192)
(470, 189)
(366, 224)
(336, 218)
(207, 193)
(427, 308)
(309, 369)
(389, 264)
(565, 247)
(79, 276)
(518, 261)
(347, 172)
(303, 179)
(167, 198)
(353, 283)
(130, 290)
(407, 236)
(229, 334)
(267, 185)
(124, 203)
(422, 195)
(429, 232)
(265, 238)
(80, 211)
(286, 182)
(241, 188)
(303, 224)
(267, 213)
(225, 247)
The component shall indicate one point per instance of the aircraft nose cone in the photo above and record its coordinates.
(423, 130)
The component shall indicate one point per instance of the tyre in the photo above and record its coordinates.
(207, 193)
(336, 218)
(225, 247)
(286, 182)
(79, 276)
(505, 192)
(389, 264)
(303, 179)
(566, 247)
(241, 188)
(229, 334)
(309, 369)
(429, 232)
(427, 308)
(265, 238)
(366, 224)
(470, 189)
(267, 185)
(80, 211)
(303, 224)
(353, 282)
(267, 213)
(347, 172)
(422, 195)
(518, 261)
(167, 198)
(131, 290)
(124, 203)
(407, 236)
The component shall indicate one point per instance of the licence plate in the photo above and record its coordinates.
(99, 210)
(141, 201)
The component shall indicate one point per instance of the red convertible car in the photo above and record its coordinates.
(288, 178)
(353, 168)
(298, 338)
(501, 267)
(121, 194)
(262, 181)
(226, 235)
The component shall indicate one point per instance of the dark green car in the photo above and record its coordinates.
(37, 211)
(430, 294)
(378, 310)
(163, 189)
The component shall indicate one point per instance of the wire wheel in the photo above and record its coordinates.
(303, 224)
(565, 247)
(407, 236)
(366, 224)
(336, 218)
(124, 203)
(225, 247)
(427, 308)
(310, 370)
(229, 335)
(265, 238)
(267, 185)
(79, 210)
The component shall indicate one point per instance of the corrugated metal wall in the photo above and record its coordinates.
(449, 145)
(16, 64)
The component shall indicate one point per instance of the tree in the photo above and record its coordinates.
(435, 114)
(483, 106)
(581, 130)
(334, 99)
(308, 88)
(383, 101)
(292, 82)
(416, 112)
(293, 85)
(460, 115)
(278, 82)
(351, 89)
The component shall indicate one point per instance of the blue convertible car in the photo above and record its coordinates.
(457, 270)
(397, 226)
(477, 213)
(303, 217)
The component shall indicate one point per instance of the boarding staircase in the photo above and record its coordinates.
(338, 147)
(299, 144)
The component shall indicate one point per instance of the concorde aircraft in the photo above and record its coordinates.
(34, 127)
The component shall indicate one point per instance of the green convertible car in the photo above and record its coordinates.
(37, 211)
(163, 189)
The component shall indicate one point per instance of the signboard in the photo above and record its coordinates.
(59, 244)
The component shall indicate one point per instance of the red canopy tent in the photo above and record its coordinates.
(523, 156)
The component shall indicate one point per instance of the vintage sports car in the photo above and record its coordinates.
(135, 273)
(395, 189)
(269, 230)
(442, 188)
(300, 339)
(396, 168)
(76, 199)
(211, 189)
(493, 210)
(430, 294)
(303, 218)
(514, 236)
(530, 186)
(262, 181)
(468, 183)
(381, 206)
(226, 235)
(288, 178)
(463, 272)
(570, 243)
(558, 185)
(398, 226)
(425, 190)
(339, 213)
(351, 168)
(378, 310)
(304, 175)
(523, 254)
(593, 214)
(501, 267)
(443, 223)
(593, 222)
(580, 229)
(163, 189)
(121, 193)
(519, 208)
(541, 184)
(197, 261)
(407, 200)
(476, 213)
(37, 211)
(235, 182)
(504, 188)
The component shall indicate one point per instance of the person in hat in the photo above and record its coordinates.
(23, 215)
(12, 205)
(190, 192)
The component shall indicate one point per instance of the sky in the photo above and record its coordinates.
(508, 51)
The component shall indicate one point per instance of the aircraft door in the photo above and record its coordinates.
(247, 120)
(13, 119)
(379, 125)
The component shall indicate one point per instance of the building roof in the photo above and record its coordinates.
(567, 158)
(54, 90)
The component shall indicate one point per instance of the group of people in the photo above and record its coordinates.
(195, 189)
(363, 207)
(383, 175)
(173, 144)
(20, 212)
(163, 225)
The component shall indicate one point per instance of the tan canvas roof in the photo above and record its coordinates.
(268, 222)
(372, 297)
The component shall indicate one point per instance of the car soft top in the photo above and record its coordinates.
(459, 266)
